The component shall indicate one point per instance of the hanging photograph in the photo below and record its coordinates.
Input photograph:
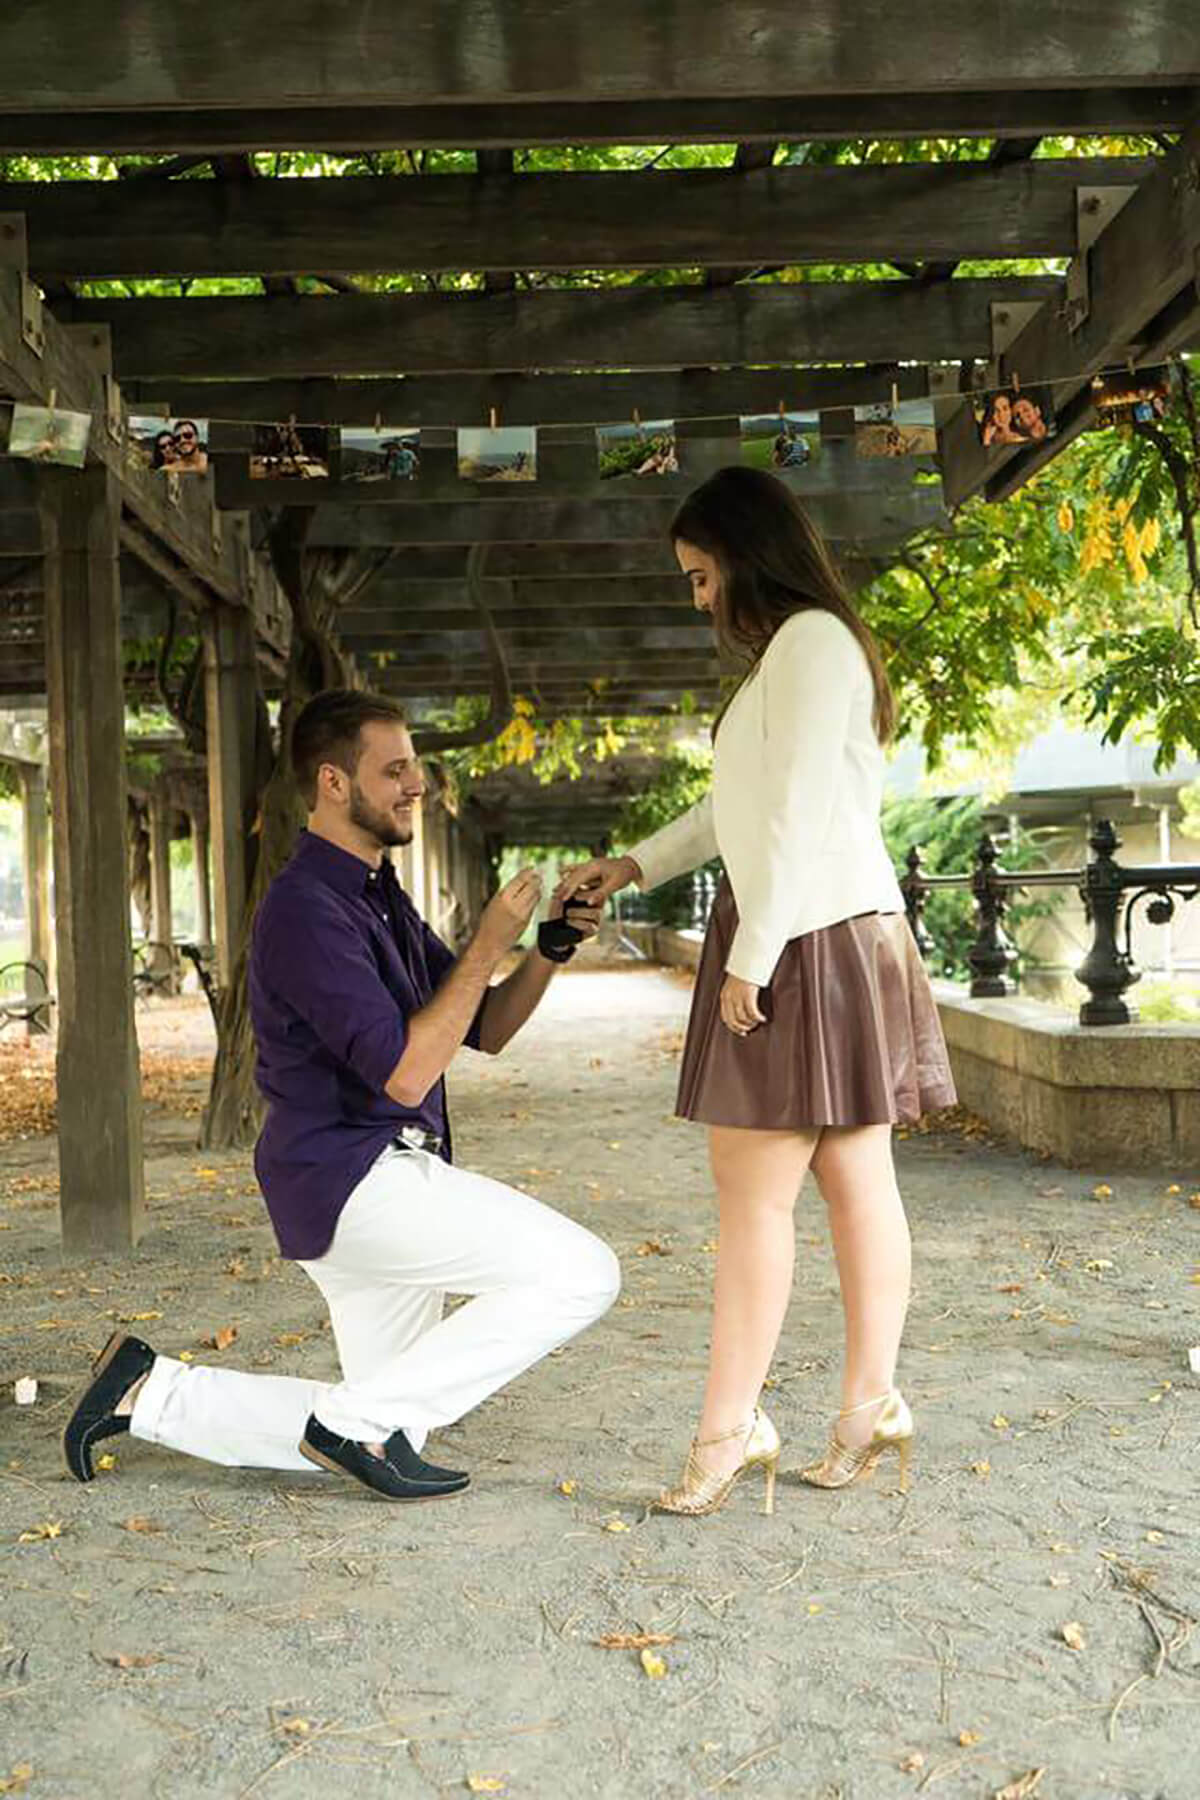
(904, 430)
(387, 453)
(779, 440)
(179, 444)
(1140, 398)
(509, 453)
(1015, 415)
(290, 452)
(43, 434)
(637, 448)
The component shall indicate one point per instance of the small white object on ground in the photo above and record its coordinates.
(25, 1390)
(1194, 1359)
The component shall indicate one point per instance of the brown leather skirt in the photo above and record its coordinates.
(854, 1037)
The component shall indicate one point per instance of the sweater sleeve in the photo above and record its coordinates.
(680, 846)
(810, 676)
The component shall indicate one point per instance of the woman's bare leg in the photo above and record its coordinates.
(758, 1176)
(857, 1179)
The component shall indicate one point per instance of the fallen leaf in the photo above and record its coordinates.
(1102, 1191)
(1194, 1201)
(652, 1247)
(1053, 1193)
(106, 1462)
(1011, 1287)
(1022, 1787)
(146, 1527)
(1060, 1581)
(287, 1340)
(485, 1784)
(633, 1640)
(124, 1661)
(139, 1318)
(1176, 1189)
(913, 1763)
(615, 1525)
(1155, 1537)
(567, 1488)
(1062, 1549)
(296, 1727)
(814, 1607)
(16, 1782)
(187, 1356)
(221, 1340)
(37, 1534)
(1000, 1423)
(983, 1467)
(654, 1665)
(1073, 1635)
(967, 1738)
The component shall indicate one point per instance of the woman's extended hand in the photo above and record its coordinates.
(597, 880)
(739, 1006)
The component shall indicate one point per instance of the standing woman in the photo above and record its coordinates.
(813, 1029)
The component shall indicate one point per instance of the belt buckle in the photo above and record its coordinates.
(414, 1137)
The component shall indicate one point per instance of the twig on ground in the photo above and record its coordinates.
(755, 1756)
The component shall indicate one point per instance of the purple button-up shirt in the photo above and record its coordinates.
(340, 962)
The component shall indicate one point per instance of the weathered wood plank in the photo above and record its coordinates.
(375, 629)
(635, 327)
(226, 54)
(1054, 112)
(449, 400)
(99, 1088)
(909, 211)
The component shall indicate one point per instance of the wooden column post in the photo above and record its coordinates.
(229, 694)
(160, 875)
(99, 1090)
(203, 919)
(36, 840)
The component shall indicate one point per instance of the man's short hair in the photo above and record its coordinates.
(329, 730)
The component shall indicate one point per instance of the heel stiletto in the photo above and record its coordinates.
(701, 1491)
(843, 1463)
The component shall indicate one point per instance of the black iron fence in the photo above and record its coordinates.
(1110, 891)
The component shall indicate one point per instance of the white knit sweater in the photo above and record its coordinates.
(794, 805)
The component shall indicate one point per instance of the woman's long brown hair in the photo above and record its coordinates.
(773, 562)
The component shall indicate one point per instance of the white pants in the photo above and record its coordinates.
(413, 1228)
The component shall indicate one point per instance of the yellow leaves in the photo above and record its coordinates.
(143, 1527)
(1022, 1788)
(39, 1534)
(137, 1318)
(652, 1247)
(1097, 548)
(567, 1487)
(1102, 1191)
(1001, 1423)
(614, 1525)
(518, 742)
(296, 1726)
(969, 1738)
(1131, 544)
(1104, 522)
(1156, 1537)
(122, 1660)
(107, 1462)
(1066, 517)
(287, 1340)
(912, 1763)
(1073, 1635)
(18, 1780)
(485, 1784)
(654, 1665)
(982, 1468)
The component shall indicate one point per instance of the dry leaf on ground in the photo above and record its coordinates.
(633, 1640)
(37, 1534)
(485, 1784)
(1022, 1787)
(967, 1738)
(652, 1247)
(912, 1763)
(18, 1780)
(122, 1660)
(1073, 1635)
(221, 1340)
(654, 1665)
(147, 1527)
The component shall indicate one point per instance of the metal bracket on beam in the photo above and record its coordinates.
(945, 390)
(14, 253)
(114, 411)
(33, 324)
(1095, 209)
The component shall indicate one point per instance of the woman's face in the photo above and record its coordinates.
(703, 574)
(164, 447)
(1002, 411)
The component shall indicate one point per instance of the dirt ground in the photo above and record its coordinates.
(180, 1630)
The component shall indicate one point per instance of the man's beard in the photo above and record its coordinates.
(384, 827)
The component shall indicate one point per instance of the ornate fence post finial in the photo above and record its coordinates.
(992, 955)
(915, 892)
(1106, 971)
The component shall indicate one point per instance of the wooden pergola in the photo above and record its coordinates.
(577, 581)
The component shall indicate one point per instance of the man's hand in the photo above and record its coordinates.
(585, 914)
(598, 880)
(508, 913)
(740, 1010)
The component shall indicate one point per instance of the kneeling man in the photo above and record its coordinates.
(358, 1010)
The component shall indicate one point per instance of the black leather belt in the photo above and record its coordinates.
(415, 1137)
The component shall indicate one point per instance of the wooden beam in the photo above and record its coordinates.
(99, 1086)
(1110, 111)
(389, 597)
(840, 214)
(229, 692)
(633, 326)
(468, 53)
(850, 518)
(449, 400)
(563, 615)
(1141, 301)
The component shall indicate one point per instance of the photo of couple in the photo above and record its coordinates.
(177, 446)
(1014, 415)
(812, 1033)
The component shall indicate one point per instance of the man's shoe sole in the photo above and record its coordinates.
(336, 1468)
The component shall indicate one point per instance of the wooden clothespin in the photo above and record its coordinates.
(52, 399)
(492, 418)
(895, 395)
(378, 424)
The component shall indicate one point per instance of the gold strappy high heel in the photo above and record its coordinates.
(842, 1464)
(702, 1491)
